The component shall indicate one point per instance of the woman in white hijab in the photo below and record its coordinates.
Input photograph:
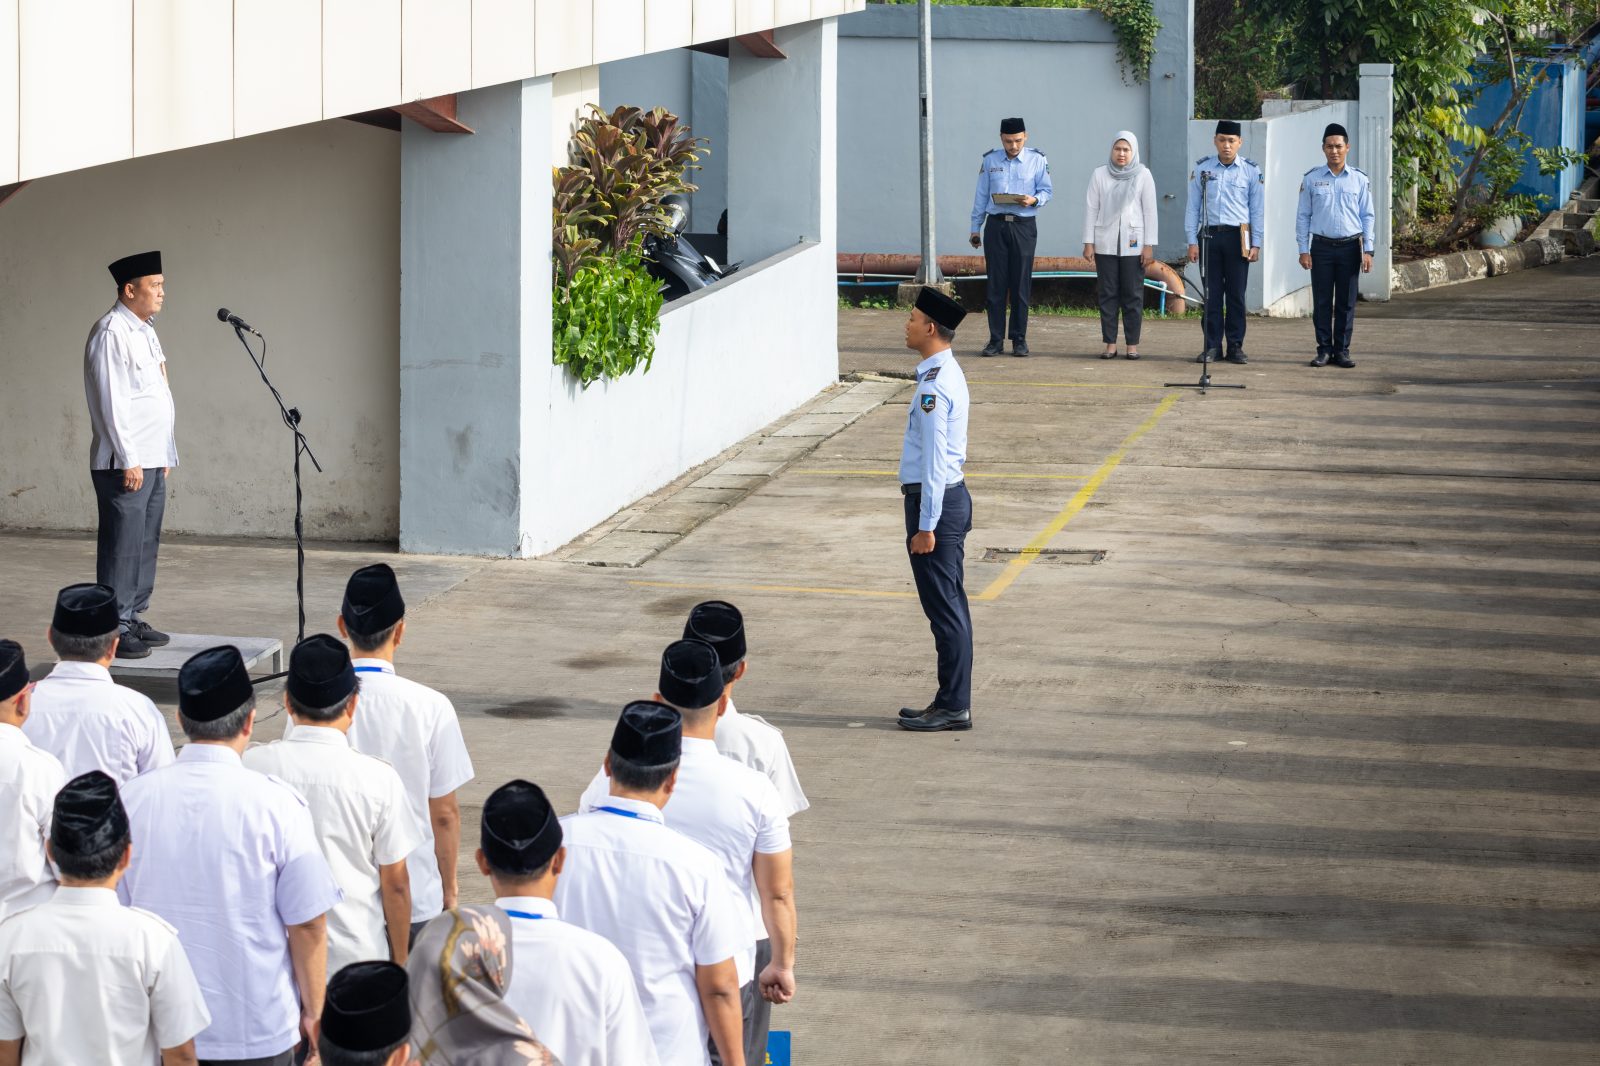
(1119, 237)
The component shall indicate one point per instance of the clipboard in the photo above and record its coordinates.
(1244, 240)
(1008, 198)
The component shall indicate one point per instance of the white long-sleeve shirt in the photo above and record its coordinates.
(130, 406)
(1135, 228)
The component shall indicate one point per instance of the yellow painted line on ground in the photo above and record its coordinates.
(1064, 385)
(816, 589)
(969, 474)
(1079, 500)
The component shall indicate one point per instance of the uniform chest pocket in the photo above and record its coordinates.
(145, 367)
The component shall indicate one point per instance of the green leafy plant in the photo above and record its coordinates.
(1136, 25)
(606, 306)
(605, 319)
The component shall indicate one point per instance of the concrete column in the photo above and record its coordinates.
(782, 134)
(1375, 156)
(1171, 108)
(474, 319)
(708, 89)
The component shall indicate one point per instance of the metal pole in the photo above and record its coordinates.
(928, 274)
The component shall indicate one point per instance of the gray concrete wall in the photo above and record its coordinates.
(295, 231)
(475, 318)
(1056, 68)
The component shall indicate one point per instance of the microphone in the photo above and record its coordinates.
(224, 315)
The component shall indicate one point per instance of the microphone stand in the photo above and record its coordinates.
(291, 418)
(1205, 381)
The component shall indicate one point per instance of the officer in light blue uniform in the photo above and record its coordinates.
(1008, 231)
(1226, 191)
(1333, 230)
(938, 508)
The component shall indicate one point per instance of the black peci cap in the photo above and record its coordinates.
(86, 611)
(691, 675)
(648, 734)
(1012, 125)
(320, 674)
(519, 831)
(1335, 130)
(133, 267)
(13, 669)
(720, 625)
(1229, 127)
(372, 600)
(213, 684)
(367, 1007)
(89, 816)
(939, 307)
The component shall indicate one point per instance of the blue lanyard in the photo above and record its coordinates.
(525, 914)
(619, 810)
(371, 670)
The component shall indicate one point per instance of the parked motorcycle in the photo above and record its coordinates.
(677, 264)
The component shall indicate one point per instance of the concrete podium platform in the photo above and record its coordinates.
(164, 662)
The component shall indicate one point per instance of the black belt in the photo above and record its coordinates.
(1010, 218)
(915, 487)
(1213, 230)
(1336, 240)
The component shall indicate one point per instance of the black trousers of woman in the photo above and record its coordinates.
(1121, 286)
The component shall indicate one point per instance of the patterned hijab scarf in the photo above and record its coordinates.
(460, 968)
(1123, 186)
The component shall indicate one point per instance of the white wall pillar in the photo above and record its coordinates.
(474, 319)
(782, 134)
(1375, 156)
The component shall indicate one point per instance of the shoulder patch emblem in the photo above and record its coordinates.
(1201, 160)
(927, 402)
(931, 374)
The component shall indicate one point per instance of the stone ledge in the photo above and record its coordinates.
(1476, 263)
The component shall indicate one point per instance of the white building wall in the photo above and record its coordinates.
(297, 232)
(87, 82)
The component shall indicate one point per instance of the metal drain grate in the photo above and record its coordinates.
(1059, 556)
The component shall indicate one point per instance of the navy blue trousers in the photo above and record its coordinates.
(1226, 274)
(1008, 258)
(1335, 278)
(942, 588)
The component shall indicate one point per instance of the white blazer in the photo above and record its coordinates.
(1120, 236)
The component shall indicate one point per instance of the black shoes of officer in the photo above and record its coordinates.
(1320, 360)
(992, 348)
(1019, 348)
(131, 647)
(1343, 359)
(915, 712)
(1236, 355)
(150, 635)
(938, 720)
(1210, 355)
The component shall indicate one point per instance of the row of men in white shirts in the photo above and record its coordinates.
(257, 878)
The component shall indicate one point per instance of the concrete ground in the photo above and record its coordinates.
(1301, 770)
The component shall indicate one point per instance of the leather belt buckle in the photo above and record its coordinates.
(1009, 218)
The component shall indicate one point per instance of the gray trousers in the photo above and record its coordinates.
(757, 1013)
(285, 1059)
(130, 537)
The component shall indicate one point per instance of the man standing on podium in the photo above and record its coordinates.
(133, 448)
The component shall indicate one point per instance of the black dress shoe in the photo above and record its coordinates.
(150, 635)
(131, 647)
(915, 712)
(938, 720)
(992, 348)
(1210, 355)
(1112, 354)
(1237, 356)
(1343, 359)
(1133, 355)
(1320, 360)
(1019, 348)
